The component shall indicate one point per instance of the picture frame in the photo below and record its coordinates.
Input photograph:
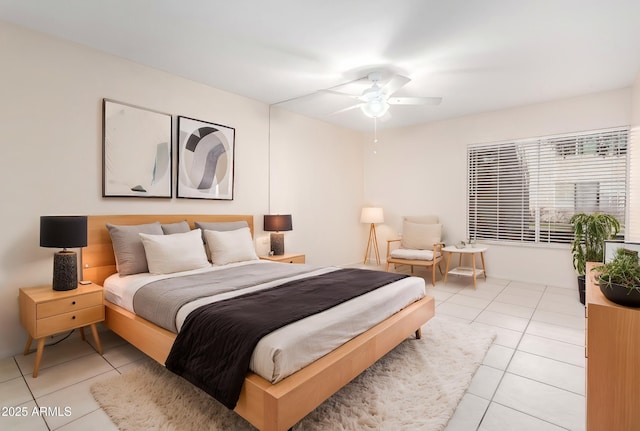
(206, 158)
(611, 248)
(136, 151)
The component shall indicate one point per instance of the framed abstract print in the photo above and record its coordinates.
(205, 160)
(136, 145)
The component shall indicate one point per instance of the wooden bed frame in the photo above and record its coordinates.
(269, 407)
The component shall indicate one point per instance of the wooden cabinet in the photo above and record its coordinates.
(44, 312)
(612, 349)
(286, 258)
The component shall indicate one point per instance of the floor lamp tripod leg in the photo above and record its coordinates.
(366, 253)
(372, 240)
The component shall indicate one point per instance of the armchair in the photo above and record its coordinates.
(420, 245)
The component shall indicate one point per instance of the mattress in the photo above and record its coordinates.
(294, 346)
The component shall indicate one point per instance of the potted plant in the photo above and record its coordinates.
(589, 233)
(620, 279)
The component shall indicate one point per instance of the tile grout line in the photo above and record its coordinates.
(552, 359)
(33, 398)
(548, 384)
(504, 372)
(531, 416)
(484, 414)
(516, 349)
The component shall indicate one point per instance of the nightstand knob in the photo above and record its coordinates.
(73, 303)
(73, 317)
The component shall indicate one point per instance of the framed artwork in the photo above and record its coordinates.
(205, 160)
(611, 248)
(136, 158)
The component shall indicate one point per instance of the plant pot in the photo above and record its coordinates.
(621, 295)
(581, 288)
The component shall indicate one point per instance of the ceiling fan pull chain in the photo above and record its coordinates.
(375, 135)
(375, 130)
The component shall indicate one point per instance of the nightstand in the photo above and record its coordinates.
(44, 312)
(285, 258)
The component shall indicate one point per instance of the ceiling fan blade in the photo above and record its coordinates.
(339, 93)
(349, 108)
(414, 100)
(394, 84)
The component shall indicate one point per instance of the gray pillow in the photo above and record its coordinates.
(180, 227)
(128, 248)
(221, 226)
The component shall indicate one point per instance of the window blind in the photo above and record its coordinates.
(527, 190)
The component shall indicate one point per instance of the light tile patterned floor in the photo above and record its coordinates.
(532, 377)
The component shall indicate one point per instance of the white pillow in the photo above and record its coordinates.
(230, 246)
(167, 254)
(419, 236)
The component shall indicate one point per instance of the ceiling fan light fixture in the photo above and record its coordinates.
(375, 107)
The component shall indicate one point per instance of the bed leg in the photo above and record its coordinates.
(418, 333)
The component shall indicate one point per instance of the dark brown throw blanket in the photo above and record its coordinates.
(215, 344)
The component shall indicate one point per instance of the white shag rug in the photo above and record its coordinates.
(416, 386)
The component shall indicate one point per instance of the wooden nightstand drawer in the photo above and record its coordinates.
(296, 259)
(286, 258)
(66, 305)
(67, 321)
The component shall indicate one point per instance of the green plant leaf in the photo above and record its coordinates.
(590, 231)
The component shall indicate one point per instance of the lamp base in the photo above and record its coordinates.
(373, 243)
(65, 271)
(277, 244)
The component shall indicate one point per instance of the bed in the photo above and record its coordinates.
(269, 407)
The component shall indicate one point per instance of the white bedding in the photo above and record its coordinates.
(294, 346)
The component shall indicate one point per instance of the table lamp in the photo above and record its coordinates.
(372, 216)
(64, 232)
(276, 224)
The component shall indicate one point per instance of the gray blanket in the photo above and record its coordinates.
(160, 301)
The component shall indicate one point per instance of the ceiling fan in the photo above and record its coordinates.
(376, 100)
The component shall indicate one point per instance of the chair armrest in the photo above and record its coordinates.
(437, 247)
(389, 241)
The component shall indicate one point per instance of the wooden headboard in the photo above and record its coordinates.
(98, 260)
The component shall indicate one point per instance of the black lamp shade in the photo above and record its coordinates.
(63, 231)
(277, 223)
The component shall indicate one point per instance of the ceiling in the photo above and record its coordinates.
(477, 55)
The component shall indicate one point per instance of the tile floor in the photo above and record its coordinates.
(532, 377)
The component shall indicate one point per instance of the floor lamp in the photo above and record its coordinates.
(372, 216)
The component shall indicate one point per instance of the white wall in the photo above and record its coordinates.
(422, 170)
(321, 167)
(51, 163)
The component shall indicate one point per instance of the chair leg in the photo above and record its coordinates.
(387, 268)
(433, 275)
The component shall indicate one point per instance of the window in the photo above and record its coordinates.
(527, 190)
